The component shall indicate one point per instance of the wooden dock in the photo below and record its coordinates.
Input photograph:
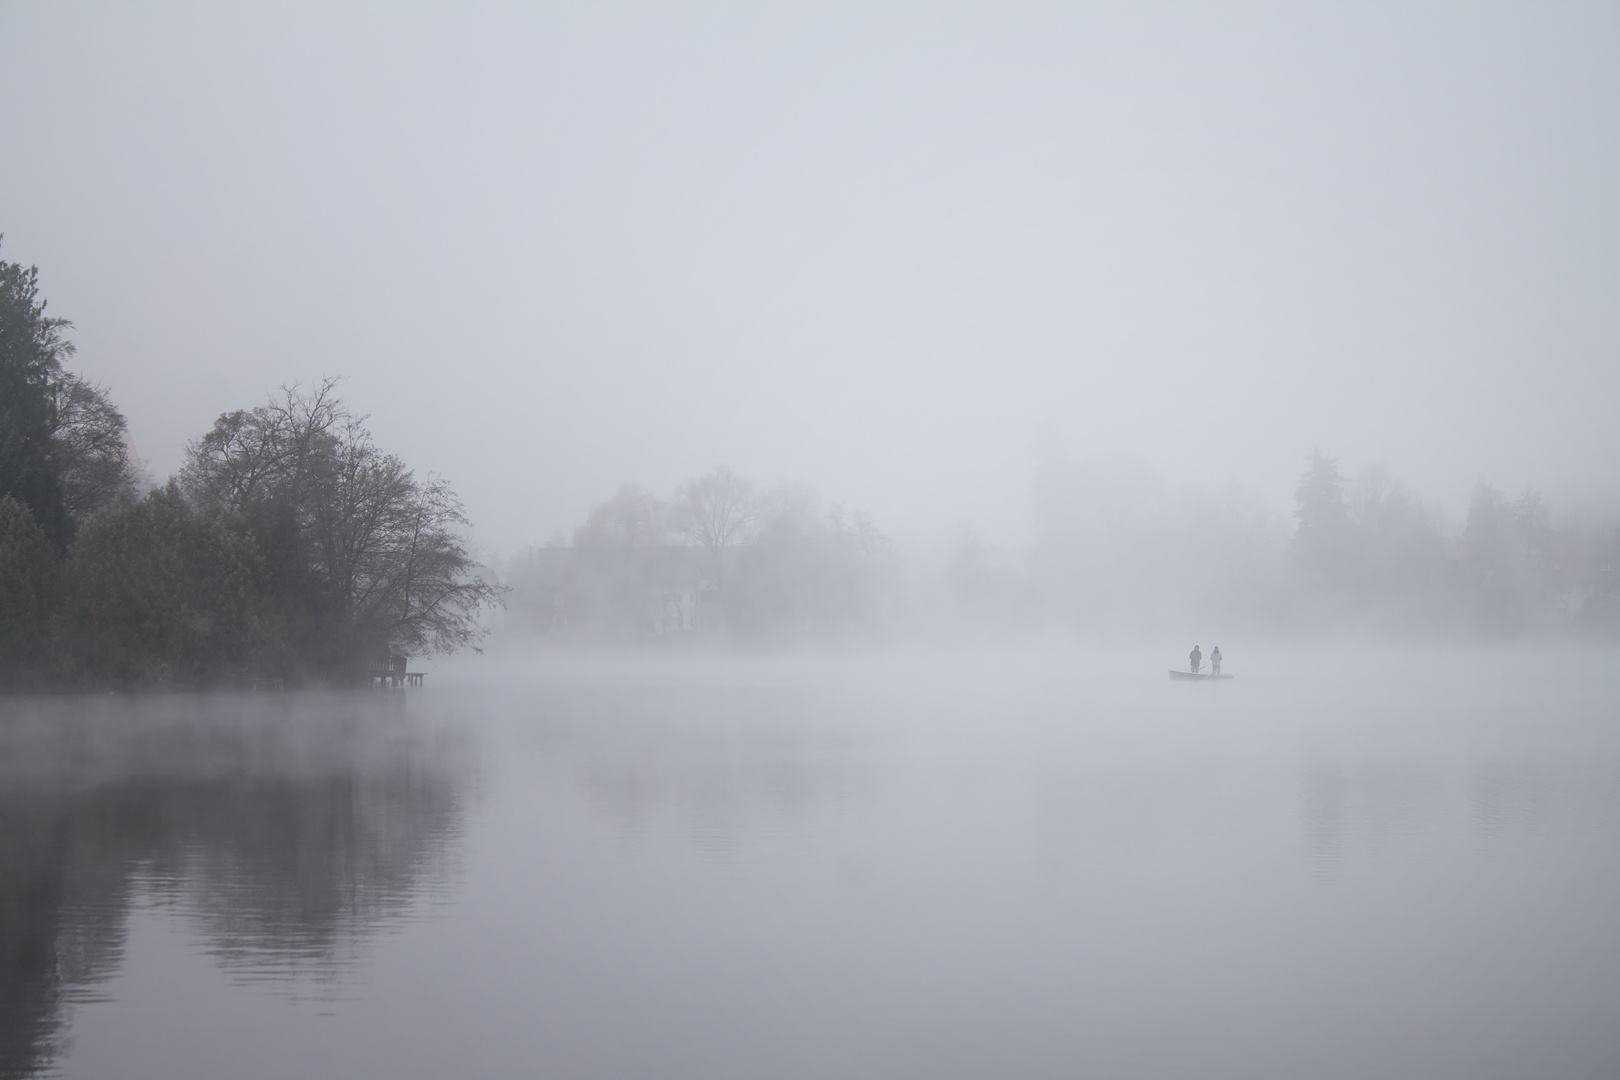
(390, 674)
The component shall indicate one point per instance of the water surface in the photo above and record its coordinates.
(958, 867)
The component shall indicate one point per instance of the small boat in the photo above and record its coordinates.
(1200, 676)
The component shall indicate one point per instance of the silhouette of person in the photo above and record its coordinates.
(1197, 659)
(1215, 660)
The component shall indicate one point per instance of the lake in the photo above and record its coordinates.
(1391, 865)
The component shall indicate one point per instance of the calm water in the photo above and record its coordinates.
(1401, 867)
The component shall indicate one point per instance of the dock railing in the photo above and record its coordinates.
(391, 674)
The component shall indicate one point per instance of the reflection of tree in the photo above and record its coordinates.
(296, 873)
(30, 897)
(289, 839)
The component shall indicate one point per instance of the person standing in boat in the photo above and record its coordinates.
(1215, 660)
(1196, 658)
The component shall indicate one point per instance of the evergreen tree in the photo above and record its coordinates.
(32, 347)
(1322, 542)
(27, 592)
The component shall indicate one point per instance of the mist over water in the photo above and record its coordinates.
(1340, 864)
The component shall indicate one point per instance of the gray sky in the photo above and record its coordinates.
(879, 249)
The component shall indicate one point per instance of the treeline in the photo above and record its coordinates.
(719, 560)
(1117, 548)
(1117, 552)
(289, 546)
(1367, 550)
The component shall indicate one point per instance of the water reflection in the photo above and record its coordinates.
(288, 831)
(1027, 873)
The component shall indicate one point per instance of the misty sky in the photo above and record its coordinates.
(878, 248)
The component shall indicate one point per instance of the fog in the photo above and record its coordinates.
(881, 251)
(646, 540)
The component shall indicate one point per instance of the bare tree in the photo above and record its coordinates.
(633, 518)
(90, 448)
(256, 455)
(388, 549)
(717, 510)
(375, 556)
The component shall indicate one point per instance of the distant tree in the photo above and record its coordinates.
(32, 347)
(161, 593)
(617, 554)
(1324, 564)
(1533, 521)
(715, 511)
(808, 572)
(1510, 552)
(633, 518)
(90, 449)
(1596, 574)
(1401, 554)
(1322, 540)
(27, 591)
(1324, 518)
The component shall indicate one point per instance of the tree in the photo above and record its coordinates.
(27, 590)
(1400, 555)
(387, 552)
(32, 347)
(611, 583)
(1597, 578)
(633, 518)
(90, 449)
(160, 593)
(1508, 550)
(253, 458)
(808, 572)
(715, 511)
(361, 556)
(1322, 539)
(1322, 552)
(1324, 519)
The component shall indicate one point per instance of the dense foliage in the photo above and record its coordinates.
(290, 546)
(162, 593)
(28, 588)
